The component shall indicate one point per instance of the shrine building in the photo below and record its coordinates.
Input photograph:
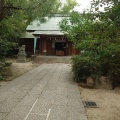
(47, 38)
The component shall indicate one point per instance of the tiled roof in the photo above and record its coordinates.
(49, 27)
(28, 35)
(48, 33)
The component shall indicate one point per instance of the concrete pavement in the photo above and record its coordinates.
(44, 93)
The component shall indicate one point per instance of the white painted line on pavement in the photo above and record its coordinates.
(31, 109)
(48, 114)
(37, 114)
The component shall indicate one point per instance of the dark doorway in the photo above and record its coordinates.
(60, 46)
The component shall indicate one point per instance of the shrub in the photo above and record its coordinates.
(105, 62)
(110, 63)
(114, 70)
(1, 78)
(8, 64)
(81, 67)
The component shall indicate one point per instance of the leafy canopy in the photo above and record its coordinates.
(15, 15)
(98, 34)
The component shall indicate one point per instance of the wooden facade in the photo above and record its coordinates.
(50, 38)
(49, 45)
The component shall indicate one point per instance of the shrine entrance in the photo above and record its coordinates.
(60, 48)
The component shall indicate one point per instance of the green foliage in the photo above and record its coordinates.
(85, 65)
(1, 78)
(15, 15)
(99, 33)
(68, 6)
(112, 61)
(7, 64)
(18, 14)
(81, 67)
(3, 67)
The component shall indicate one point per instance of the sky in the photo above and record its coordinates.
(84, 4)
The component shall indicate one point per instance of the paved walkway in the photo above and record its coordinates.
(44, 93)
(53, 59)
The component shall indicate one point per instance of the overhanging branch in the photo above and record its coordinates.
(12, 7)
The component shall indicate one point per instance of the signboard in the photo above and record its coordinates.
(59, 40)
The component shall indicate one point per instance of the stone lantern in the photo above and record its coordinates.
(22, 54)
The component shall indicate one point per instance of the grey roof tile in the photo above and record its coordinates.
(51, 24)
(48, 33)
(28, 35)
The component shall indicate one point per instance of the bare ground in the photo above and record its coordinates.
(16, 69)
(108, 102)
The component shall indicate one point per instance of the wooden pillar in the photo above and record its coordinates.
(53, 48)
(69, 48)
(75, 51)
(45, 47)
(66, 50)
(40, 47)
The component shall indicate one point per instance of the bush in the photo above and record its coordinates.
(3, 65)
(85, 65)
(114, 70)
(1, 78)
(110, 63)
(82, 68)
(105, 62)
(8, 64)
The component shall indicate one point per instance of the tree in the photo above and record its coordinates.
(15, 15)
(98, 34)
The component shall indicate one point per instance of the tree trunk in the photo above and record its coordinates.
(1, 9)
